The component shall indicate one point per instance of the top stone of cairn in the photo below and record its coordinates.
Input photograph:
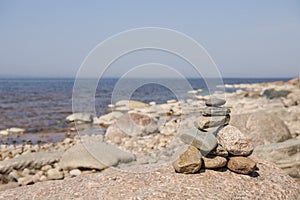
(215, 102)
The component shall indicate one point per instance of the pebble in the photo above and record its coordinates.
(152, 103)
(215, 102)
(241, 165)
(234, 141)
(54, 174)
(110, 105)
(25, 180)
(46, 168)
(214, 162)
(204, 141)
(215, 111)
(189, 162)
(43, 178)
(75, 172)
(192, 92)
(171, 101)
(25, 172)
(13, 175)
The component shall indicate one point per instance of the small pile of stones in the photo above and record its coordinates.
(213, 144)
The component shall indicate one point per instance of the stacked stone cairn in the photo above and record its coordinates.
(213, 144)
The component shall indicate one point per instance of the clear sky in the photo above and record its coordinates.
(249, 38)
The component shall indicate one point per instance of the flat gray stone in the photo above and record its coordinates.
(204, 141)
(215, 111)
(94, 155)
(215, 102)
(204, 122)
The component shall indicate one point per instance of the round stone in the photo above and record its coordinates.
(75, 172)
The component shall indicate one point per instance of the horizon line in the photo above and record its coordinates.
(117, 77)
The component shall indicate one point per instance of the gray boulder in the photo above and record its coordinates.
(261, 128)
(285, 154)
(94, 155)
(205, 141)
(272, 93)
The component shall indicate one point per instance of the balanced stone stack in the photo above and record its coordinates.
(213, 144)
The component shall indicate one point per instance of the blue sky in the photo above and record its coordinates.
(251, 38)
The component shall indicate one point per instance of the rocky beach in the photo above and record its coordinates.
(239, 145)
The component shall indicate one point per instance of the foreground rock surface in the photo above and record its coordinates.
(272, 183)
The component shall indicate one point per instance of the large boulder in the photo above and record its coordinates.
(130, 124)
(261, 128)
(93, 155)
(270, 183)
(285, 154)
(135, 124)
(273, 93)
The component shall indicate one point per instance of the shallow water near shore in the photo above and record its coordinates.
(40, 106)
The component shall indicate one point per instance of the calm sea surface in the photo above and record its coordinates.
(41, 105)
